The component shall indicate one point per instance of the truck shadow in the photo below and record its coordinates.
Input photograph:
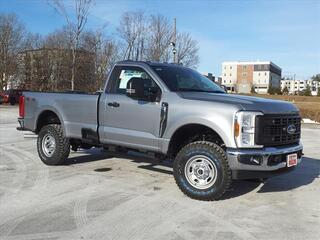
(92, 155)
(303, 175)
(97, 154)
(164, 166)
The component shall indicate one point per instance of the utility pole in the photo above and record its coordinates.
(174, 40)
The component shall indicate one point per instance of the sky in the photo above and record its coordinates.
(286, 32)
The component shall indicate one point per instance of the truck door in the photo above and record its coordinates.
(126, 121)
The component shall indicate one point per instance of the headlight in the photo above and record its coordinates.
(244, 128)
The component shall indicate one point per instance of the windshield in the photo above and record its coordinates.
(179, 79)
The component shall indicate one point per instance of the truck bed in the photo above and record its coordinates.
(75, 111)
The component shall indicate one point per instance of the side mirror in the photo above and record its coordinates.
(136, 89)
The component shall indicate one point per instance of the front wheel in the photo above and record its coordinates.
(53, 147)
(201, 171)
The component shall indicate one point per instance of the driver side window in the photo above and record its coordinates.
(127, 73)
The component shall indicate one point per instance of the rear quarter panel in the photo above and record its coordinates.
(75, 111)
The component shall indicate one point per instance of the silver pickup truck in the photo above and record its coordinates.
(173, 112)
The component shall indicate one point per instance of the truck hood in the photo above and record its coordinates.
(267, 106)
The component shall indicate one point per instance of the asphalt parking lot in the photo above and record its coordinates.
(99, 196)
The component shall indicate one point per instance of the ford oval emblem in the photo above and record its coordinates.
(291, 129)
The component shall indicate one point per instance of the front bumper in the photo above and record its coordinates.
(242, 168)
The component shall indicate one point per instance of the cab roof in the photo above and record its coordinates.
(150, 63)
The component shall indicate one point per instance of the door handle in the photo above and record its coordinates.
(113, 104)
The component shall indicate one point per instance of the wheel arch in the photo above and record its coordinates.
(184, 134)
(47, 116)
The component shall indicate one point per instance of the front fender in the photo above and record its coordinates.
(219, 124)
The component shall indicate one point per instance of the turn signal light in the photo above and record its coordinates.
(236, 129)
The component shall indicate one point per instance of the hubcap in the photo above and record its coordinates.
(48, 145)
(200, 172)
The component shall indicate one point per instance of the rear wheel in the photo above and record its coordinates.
(12, 101)
(53, 147)
(201, 171)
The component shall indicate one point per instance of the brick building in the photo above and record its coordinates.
(242, 76)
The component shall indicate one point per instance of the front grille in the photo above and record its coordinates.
(272, 130)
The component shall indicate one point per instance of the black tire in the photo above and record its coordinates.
(216, 157)
(12, 101)
(62, 146)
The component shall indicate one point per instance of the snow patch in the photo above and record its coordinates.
(307, 120)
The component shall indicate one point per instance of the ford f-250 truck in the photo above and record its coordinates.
(175, 112)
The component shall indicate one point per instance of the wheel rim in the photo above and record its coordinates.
(48, 145)
(200, 172)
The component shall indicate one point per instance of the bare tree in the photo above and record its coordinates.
(149, 39)
(106, 51)
(32, 41)
(132, 31)
(107, 56)
(11, 37)
(58, 39)
(76, 26)
(187, 50)
(160, 35)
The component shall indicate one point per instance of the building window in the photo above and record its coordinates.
(244, 74)
(230, 67)
(259, 74)
(225, 74)
(224, 67)
(244, 67)
(230, 74)
(265, 74)
(230, 81)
